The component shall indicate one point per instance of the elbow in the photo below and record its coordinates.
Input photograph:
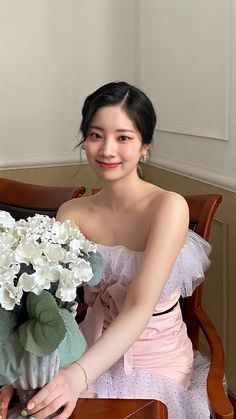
(138, 309)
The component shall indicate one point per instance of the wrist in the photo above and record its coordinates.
(82, 369)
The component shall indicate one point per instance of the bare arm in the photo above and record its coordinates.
(167, 236)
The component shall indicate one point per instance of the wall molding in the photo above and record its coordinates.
(219, 179)
(194, 132)
(32, 161)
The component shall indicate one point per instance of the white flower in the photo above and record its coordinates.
(54, 252)
(69, 257)
(89, 247)
(38, 227)
(20, 229)
(66, 293)
(6, 260)
(6, 220)
(8, 240)
(80, 244)
(82, 271)
(40, 251)
(8, 268)
(40, 221)
(39, 261)
(71, 278)
(39, 280)
(28, 251)
(10, 295)
(60, 232)
(66, 290)
(76, 244)
(8, 275)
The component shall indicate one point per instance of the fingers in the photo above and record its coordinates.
(59, 392)
(67, 411)
(5, 397)
(48, 408)
(44, 397)
(63, 413)
(55, 407)
(47, 401)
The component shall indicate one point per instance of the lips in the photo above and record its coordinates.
(106, 165)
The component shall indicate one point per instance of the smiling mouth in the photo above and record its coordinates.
(106, 165)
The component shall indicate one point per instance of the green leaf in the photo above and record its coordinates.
(7, 324)
(42, 334)
(97, 264)
(11, 353)
(74, 344)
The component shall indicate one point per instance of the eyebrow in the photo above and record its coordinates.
(118, 130)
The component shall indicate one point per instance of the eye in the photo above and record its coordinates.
(124, 138)
(94, 135)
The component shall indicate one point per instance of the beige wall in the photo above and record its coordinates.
(59, 175)
(220, 287)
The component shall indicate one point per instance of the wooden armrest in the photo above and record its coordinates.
(81, 312)
(218, 398)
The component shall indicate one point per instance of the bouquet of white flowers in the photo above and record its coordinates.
(42, 262)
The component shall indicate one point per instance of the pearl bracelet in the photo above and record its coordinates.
(85, 374)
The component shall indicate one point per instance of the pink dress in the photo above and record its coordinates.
(160, 364)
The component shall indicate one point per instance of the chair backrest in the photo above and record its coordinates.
(202, 209)
(25, 199)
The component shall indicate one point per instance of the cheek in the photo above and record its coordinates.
(90, 148)
(133, 153)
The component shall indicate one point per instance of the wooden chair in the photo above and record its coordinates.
(119, 409)
(25, 199)
(202, 209)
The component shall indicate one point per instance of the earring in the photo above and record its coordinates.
(144, 158)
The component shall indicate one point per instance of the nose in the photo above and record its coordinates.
(108, 148)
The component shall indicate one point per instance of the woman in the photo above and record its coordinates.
(138, 344)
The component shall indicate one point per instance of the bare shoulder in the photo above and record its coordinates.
(169, 205)
(168, 220)
(71, 209)
(164, 197)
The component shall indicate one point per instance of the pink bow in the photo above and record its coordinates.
(108, 301)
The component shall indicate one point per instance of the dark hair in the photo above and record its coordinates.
(134, 102)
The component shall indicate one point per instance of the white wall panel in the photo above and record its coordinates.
(188, 67)
(185, 47)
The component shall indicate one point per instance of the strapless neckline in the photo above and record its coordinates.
(117, 246)
(192, 237)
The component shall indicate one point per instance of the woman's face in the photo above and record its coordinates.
(113, 145)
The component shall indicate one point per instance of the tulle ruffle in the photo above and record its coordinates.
(187, 273)
(189, 268)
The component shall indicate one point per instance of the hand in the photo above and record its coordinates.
(6, 393)
(62, 391)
